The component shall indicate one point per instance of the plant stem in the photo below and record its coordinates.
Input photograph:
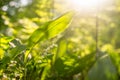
(97, 34)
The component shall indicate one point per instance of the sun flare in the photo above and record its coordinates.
(87, 5)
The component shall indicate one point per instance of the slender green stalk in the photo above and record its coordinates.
(97, 35)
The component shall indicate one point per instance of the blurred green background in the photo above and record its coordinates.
(32, 46)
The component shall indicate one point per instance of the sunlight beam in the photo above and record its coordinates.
(87, 5)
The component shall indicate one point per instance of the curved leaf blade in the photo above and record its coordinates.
(50, 29)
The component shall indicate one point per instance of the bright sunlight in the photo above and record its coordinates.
(87, 5)
(59, 39)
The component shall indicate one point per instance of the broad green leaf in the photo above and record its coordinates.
(50, 29)
(61, 50)
(103, 69)
(115, 57)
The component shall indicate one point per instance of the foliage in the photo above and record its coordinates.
(35, 45)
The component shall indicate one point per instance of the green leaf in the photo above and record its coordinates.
(16, 49)
(64, 65)
(45, 71)
(62, 48)
(50, 29)
(103, 69)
